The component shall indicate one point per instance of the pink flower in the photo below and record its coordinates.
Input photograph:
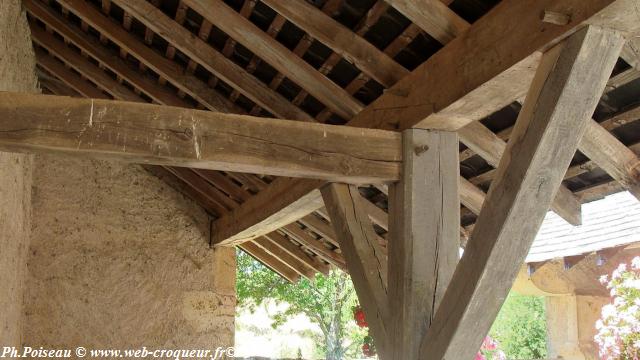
(479, 356)
(489, 344)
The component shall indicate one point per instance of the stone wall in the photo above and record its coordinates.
(120, 260)
(17, 73)
(101, 254)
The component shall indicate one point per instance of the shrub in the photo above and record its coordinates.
(618, 334)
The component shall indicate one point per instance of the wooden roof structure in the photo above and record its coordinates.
(455, 67)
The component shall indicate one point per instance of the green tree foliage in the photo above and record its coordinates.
(327, 301)
(520, 327)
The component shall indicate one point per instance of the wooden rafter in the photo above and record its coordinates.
(190, 84)
(277, 56)
(342, 40)
(433, 16)
(455, 100)
(213, 61)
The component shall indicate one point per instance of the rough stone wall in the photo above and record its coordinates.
(17, 73)
(118, 259)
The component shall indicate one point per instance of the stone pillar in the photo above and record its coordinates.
(571, 326)
(17, 73)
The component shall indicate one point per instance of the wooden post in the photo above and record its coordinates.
(365, 260)
(424, 235)
(565, 91)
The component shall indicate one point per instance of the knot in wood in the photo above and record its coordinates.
(421, 149)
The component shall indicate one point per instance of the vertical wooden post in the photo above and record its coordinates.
(564, 93)
(424, 239)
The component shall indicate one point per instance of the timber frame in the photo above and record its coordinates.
(328, 136)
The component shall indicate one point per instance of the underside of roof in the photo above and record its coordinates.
(229, 56)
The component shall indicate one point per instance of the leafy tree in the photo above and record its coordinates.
(521, 327)
(327, 301)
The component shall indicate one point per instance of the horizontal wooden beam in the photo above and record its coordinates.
(480, 71)
(164, 135)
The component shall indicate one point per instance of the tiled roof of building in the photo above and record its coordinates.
(606, 223)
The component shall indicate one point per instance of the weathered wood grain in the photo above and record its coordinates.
(165, 135)
(212, 60)
(563, 96)
(424, 236)
(365, 260)
(278, 56)
(434, 17)
(340, 39)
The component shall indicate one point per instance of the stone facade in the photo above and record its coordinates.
(17, 73)
(120, 260)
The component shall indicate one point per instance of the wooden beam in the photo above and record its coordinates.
(277, 55)
(631, 53)
(254, 216)
(563, 96)
(424, 235)
(341, 40)
(612, 156)
(479, 72)
(289, 260)
(470, 195)
(315, 245)
(212, 60)
(207, 196)
(181, 137)
(453, 98)
(81, 65)
(270, 261)
(490, 147)
(285, 244)
(167, 69)
(71, 79)
(433, 16)
(104, 56)
(366, 263)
